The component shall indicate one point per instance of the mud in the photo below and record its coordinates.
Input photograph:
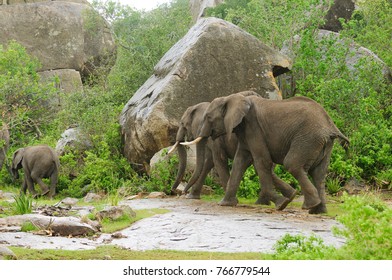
(193, 225)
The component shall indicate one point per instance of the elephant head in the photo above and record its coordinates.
(222, 116)
(188, 128)
(17, 162)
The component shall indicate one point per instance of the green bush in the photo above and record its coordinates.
(24, 100)
(366, 226)
(23, 204)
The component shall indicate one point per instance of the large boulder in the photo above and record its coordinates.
(215, 58)
(62, 35)
(65, 80)
(340, 10)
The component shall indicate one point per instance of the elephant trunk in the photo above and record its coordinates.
(182, 158)
(15, 173)
(200, 158)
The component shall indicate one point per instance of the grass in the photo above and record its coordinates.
(116, 253)
(109, 226)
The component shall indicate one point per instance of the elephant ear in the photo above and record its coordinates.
(237, 106)
(17, 158)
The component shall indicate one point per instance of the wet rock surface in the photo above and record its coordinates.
(193, 225)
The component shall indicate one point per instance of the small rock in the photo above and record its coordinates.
(118, 235)
(70, 201)
(157, 195)
(115, 212)
(92, 197)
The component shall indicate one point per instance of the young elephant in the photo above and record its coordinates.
(37, 162)
(216, 154)
(295, 132)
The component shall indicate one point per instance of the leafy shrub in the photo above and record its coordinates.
(102, 171)
(23, 204)
(24, 100)
(367, 227)
(162, 175)
(299, 247)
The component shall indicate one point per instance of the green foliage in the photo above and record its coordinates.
(334, 185)
(162, 176)
(28, 226)
(371, 26)
(299, 247)
(249, 186)
(271, 21)
(144, 38)
(24, 100)
(23, 204)
(100, 171)
(367, 227)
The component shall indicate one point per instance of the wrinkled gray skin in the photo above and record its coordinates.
(295, 132)
(4, 144)
(216, 154)
(38, 162)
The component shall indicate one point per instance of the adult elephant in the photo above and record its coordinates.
(38, 162)
(295, 132)
(216, 154)
(4, 144)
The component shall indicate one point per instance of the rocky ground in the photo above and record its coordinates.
(190, 225)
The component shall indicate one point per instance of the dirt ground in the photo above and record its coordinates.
(194, 225)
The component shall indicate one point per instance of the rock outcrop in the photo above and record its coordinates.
(61, 34)
(215, 58)
(340, 10)
(73, 139)
(63, 226)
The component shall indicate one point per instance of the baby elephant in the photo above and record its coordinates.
(37, 162)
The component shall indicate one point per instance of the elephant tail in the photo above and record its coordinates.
(343, 140)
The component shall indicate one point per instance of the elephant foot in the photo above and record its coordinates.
(229, 202)
(309, 204)
(192, 196)
(45, 191)
(319, 209)
(263, 201)
(281, 203)
(175, 192)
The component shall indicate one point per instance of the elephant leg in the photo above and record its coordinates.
(283, 187)
(222, 168)
(311, 197)
(24, 187)
(196, 188)
(53, 184)
(241, 162)
(318, 175)
(29, 183)
(267, 192)
(38, 180)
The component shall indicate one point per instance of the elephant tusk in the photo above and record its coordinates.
(173, 148)
(197, 140)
